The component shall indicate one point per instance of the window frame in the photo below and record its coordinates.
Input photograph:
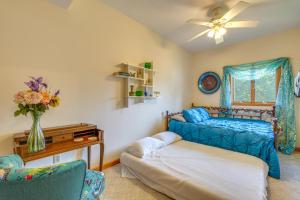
(253, 102)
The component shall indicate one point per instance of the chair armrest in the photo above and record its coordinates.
(94, 185)
(12, 161)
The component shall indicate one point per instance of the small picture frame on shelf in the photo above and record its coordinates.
(139, 73)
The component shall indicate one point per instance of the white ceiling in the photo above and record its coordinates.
(168, 18)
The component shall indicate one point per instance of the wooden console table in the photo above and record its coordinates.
(60, 140)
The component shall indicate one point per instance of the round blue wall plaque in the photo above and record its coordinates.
(209, 82)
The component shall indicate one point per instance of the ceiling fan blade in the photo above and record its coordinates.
(219, 39)
(199, 35)
(235, 10)
(198, 22)
(241, 24)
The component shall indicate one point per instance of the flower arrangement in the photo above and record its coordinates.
(36, 100)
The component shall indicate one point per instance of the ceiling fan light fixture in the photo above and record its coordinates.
(211, 33)
(222, 31)
(218, 35)
(218, 25)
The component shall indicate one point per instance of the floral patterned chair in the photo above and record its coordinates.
(68, 181)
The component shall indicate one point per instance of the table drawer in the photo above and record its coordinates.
(61, 138)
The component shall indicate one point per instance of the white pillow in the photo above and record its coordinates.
(178, 117)
(144, 146)
(168, 137)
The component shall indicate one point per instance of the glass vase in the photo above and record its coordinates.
(36, 139)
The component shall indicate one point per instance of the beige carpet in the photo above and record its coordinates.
(287, 188)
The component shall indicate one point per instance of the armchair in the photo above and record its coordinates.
(67, 181)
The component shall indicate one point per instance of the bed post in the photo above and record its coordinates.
(273, 110)
(275, 125)
(167, 120)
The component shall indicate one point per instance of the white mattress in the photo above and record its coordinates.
(190, 171)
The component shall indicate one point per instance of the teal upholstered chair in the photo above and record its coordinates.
(68, 181)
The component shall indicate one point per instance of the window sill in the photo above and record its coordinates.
(270, 104)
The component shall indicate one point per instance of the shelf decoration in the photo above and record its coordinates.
(148, 65)
(139, 82)
(138, 93)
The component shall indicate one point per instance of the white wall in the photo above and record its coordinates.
(284, 44)
(77, 50)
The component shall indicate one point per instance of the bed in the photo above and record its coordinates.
(250, 136)
(185, 170)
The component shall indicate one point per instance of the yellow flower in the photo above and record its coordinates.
(55, 101)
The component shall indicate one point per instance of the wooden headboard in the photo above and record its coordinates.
(244, 113)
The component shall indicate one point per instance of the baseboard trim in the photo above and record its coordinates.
(108, 164)
(111, 163)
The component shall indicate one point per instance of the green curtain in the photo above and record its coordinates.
(285, 111)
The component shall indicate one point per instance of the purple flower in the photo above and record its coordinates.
(34, 86)
(39, 80)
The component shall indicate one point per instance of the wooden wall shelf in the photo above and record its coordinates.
(143, 80)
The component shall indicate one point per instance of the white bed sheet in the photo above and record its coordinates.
(191, 171)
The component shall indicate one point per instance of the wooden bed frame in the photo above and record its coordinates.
(244, 113)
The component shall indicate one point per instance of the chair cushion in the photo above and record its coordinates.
(93, 185)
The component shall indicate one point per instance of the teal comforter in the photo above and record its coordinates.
(253, 137)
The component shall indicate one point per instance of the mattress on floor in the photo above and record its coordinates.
(191, 171)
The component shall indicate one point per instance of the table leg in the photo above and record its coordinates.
(89, 156)
(101, 155)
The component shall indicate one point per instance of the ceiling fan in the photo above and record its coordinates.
(220, 22)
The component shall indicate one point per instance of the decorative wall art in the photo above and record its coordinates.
(209, 82)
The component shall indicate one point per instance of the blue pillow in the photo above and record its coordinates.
(192, 116)
(203, 112)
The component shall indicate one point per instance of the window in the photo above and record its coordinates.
(259, 92)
